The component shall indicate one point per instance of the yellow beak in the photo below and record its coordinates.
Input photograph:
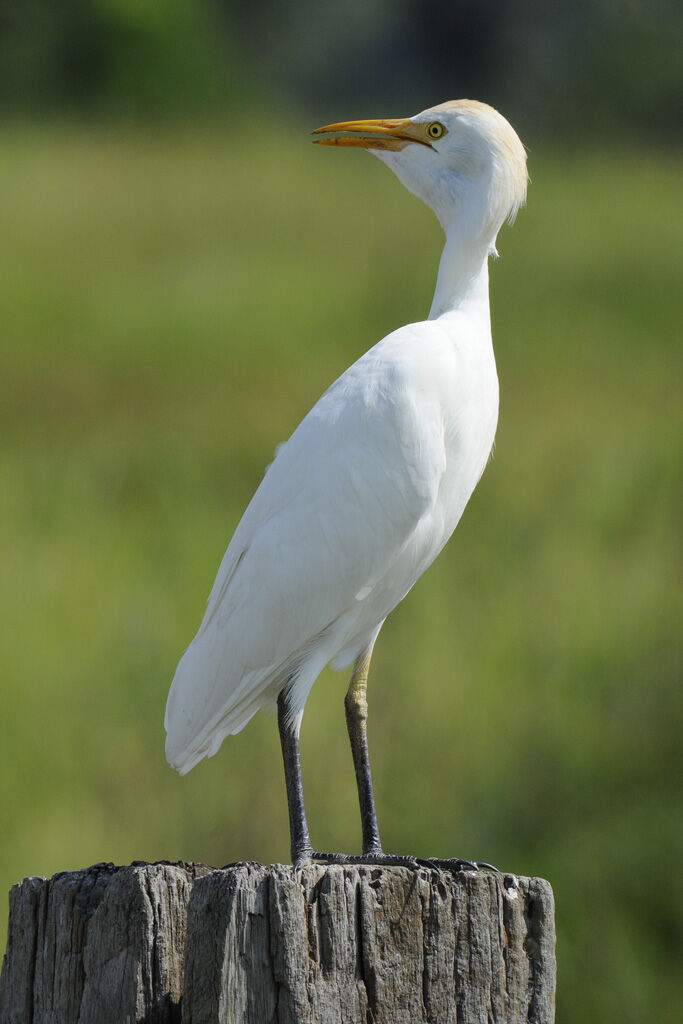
(390, 134)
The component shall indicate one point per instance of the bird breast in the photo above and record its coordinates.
(470, 413)
(443, 403)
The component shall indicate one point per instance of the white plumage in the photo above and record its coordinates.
(371, 484)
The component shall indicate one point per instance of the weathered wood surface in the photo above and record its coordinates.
(248, 944)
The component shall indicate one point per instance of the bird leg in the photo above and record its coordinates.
(356, 706)
(289, 738)
(356, 719)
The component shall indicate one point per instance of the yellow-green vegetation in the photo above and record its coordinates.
(172, 304)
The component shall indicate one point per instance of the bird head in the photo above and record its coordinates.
(462, 158)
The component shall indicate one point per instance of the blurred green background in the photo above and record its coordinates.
(181, 275)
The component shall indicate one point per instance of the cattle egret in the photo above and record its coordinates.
(369, 487)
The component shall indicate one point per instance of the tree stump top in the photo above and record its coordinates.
(165, 943)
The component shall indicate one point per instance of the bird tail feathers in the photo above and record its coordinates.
(201, 709)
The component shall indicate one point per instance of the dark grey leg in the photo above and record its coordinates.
(356, 706)
(356, 719)
(298, 829)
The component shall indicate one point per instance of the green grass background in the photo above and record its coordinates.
(172, 304)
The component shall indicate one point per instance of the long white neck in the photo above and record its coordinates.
(463, 279)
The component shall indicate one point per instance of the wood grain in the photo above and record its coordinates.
(248, 944)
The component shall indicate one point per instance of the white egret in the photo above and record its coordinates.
(369, 487)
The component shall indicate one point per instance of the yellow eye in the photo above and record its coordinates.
(435, 130)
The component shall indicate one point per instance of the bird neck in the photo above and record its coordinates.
(463, 279)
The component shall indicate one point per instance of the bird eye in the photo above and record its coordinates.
(435, 130)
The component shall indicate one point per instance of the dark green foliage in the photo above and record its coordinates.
(579, 68)
(130, 57)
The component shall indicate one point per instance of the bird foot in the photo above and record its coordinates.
(380, 859)
(377, 858)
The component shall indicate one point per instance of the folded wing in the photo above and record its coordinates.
(333, 511)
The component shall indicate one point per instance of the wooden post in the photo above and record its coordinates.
(248, 944)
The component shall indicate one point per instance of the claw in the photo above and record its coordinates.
(428, 862)
(456, 864)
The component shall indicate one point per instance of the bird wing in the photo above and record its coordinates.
(337, 505)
